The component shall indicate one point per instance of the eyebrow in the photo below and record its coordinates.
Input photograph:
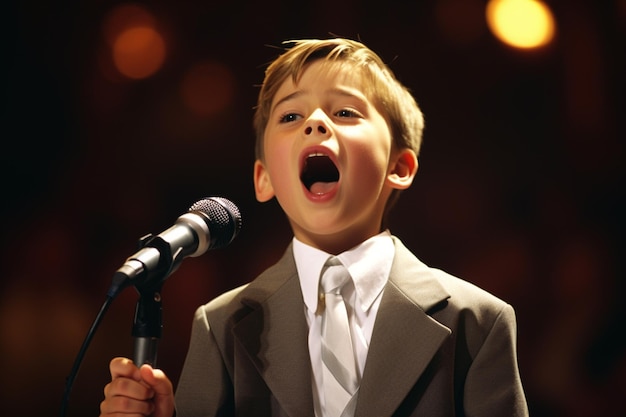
(288, 97)
(333, 91)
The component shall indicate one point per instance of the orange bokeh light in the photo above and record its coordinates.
(137, 48)
(139, 52)
(123, 17)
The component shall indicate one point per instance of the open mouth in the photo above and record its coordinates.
(319, 173)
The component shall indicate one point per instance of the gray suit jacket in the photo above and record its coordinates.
(440, 347)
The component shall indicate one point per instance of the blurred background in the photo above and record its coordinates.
(117, 116)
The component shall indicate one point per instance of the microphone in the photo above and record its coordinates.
(211, 223)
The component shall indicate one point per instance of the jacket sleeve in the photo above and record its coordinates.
(205, 387)
(493, 386)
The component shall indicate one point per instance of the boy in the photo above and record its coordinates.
(337, 139)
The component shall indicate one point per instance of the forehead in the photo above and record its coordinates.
(323, 75)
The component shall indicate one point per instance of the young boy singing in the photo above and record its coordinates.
(337, 140)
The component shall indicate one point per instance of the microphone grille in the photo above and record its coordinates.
(223, 218)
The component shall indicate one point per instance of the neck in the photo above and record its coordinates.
(336, 243)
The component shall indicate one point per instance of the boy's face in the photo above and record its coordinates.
(330, 159)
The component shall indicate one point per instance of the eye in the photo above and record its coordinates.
(347, 113)
(289, 117)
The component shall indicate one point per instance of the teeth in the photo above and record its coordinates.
(314, 154)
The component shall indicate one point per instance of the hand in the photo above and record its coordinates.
(137, 391)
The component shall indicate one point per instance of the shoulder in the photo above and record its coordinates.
(472, 308)
(231, 305)
(451, 300)
(412, 272)
(464, 294)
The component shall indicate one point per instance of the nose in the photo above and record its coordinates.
(316, 124)
(320, 128)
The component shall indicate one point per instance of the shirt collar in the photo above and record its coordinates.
(368, 263)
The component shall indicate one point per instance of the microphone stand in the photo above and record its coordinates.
(147, 325)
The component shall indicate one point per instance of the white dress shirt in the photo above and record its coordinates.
(369, 265)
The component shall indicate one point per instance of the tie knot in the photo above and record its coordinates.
(334, 276)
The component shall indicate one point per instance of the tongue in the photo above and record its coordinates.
(322, 187)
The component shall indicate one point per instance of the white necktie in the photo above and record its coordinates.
(340, 375)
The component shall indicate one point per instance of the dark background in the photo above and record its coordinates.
(520, 188)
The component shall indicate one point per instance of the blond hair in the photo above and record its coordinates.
(391, 98)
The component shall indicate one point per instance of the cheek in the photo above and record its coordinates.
(279, 165)
(371, 158)
(368, 168)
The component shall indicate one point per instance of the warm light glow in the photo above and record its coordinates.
(123, 17)
(135, 46)
(208, 88)
(138, 52)
(521, 23)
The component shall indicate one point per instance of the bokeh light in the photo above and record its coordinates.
(139, 52)
(208, 88)
(138, 49)
(123, 17)
(524, 24)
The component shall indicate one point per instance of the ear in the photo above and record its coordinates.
(402, 169)
(262, 183)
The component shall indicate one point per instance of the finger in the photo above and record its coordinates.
(156, 379)
(124, 367)
(162, 388)
(125, 406)
(127, 387)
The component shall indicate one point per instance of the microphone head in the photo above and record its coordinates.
(223, 218)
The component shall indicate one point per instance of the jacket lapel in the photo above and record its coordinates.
(275, 334)
(392, 369)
